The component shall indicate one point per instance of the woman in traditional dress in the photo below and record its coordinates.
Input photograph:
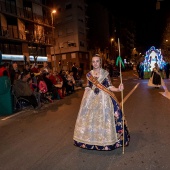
(156, 79)
(99, 125)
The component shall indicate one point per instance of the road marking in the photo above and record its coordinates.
(166, 93)
(128, 95)
(136, 75)
(15, 114)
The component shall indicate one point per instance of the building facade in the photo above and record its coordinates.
(70, 34)
(25, 31)
(30, 32)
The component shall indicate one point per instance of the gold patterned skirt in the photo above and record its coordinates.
(99, 123)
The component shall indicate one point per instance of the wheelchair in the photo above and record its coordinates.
(20, 103)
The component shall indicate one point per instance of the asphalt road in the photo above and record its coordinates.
(43, 140)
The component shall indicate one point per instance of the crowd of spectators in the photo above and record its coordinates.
(39, 86)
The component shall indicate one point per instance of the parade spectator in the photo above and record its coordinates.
(70, 82)
(64, 85)
(50, 86)
(44, 96)
(35, 90)
(58, 77)
(45, 68)
(27, 68)
(14, 72)
(35, 69)
(53, 79)
(4, 70)
(59, 83)
(75, 71)
(22, 89)
(79, 73)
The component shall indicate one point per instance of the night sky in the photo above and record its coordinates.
(149, 21)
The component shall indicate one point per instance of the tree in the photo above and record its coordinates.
(36, 41)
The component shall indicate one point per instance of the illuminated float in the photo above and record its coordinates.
(152, 56)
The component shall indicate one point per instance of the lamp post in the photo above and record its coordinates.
(111, 49)
(53, 39)
(166, 48)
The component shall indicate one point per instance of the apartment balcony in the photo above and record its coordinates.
(23, 13)
(14, 34)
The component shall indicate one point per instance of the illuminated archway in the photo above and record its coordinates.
(153, 56)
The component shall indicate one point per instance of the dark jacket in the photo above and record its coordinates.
(22, 88)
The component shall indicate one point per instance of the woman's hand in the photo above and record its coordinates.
(121, 87)
(114, 89)
(87, 88)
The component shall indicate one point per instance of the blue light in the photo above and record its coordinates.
(153, 56)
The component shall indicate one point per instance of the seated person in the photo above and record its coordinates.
(43, 90)
(4, 70)
(35, 69)
(59, 80)
(35, 90)
(50, 86)
(54, 80)
(22, 89)
(45, 68)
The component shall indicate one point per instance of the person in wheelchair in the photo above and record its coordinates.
(22, 90)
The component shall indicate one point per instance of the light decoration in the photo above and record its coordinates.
(153, 56)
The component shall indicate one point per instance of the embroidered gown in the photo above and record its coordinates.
(99, 123)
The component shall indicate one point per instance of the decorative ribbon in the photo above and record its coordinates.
(119, 59)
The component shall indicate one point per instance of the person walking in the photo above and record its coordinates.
(138, 69)
(167, 69)
(99, 124)
(75, 71)
(141, 70)
(156, 79)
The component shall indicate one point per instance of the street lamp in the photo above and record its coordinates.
(53, 39)
(166, 51)
(111, 50)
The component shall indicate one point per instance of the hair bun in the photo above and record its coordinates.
(97, 55)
